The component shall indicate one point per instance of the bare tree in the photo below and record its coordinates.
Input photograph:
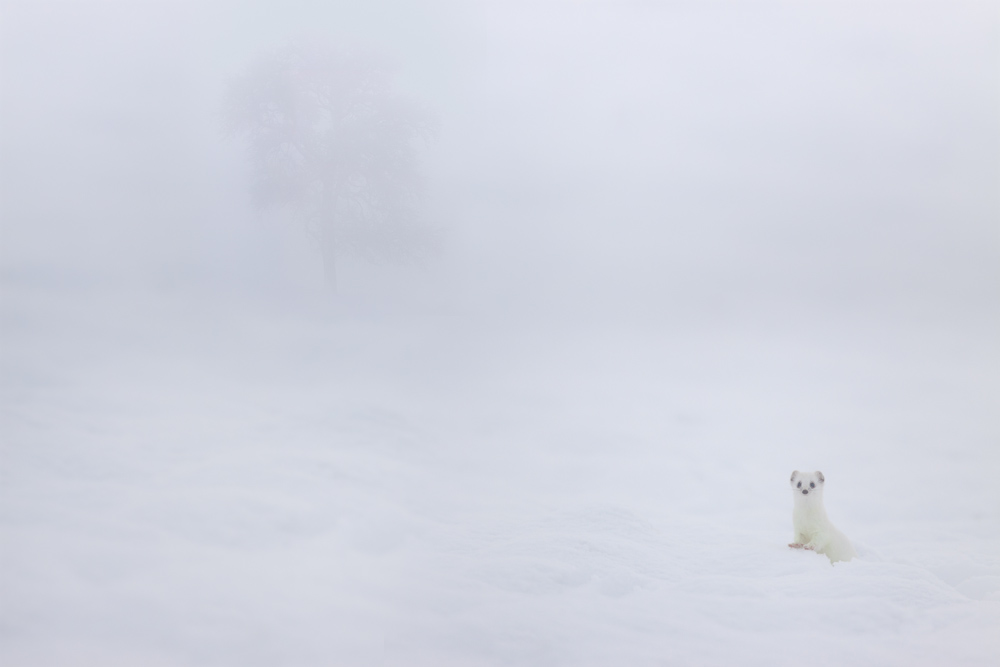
(328, 139)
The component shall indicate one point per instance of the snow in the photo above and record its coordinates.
(189, 479)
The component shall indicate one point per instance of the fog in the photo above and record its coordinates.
(841, 156)
(680, 249)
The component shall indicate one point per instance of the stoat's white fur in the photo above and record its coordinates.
(813, 529)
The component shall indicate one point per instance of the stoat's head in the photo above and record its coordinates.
(807, 486)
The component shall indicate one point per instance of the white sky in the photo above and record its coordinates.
(587, 150)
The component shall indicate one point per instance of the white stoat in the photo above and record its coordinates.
(813, 529)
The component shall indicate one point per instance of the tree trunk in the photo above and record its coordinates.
(330, 264)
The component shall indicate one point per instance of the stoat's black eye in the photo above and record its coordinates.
(812, 485)
(800, 485)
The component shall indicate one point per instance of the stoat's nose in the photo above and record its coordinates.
(805, 491)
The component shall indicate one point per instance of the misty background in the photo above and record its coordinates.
(623, 156)
(685, 248)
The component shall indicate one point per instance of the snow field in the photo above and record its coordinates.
(187, 482)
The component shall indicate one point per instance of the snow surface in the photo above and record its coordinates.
(197, 481)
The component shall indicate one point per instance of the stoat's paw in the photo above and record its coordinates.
(796, 545)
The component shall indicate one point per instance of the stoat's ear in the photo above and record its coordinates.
(794, 473)
(820, 475)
